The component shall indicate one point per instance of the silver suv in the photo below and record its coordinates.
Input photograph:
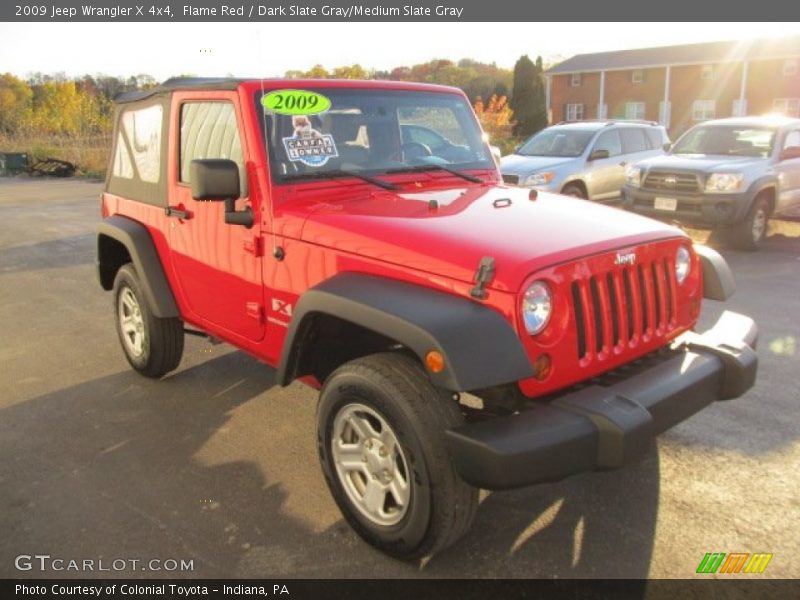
(586, 159)
(730, 175)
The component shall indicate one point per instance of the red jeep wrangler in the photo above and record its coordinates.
(463, 334)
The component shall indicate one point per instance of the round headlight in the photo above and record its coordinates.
(683, 263)
(536, 307)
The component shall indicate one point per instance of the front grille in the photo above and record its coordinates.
(512, 179)
(622, 306)
(685, 183)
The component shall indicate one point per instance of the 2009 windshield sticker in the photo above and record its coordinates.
(295, 102)
(307, 145)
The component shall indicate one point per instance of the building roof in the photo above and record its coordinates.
(709, 52)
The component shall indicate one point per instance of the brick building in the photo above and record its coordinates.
(678, 85)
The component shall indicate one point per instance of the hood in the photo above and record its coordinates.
(707, 163)
(516, 164)
(471, 222)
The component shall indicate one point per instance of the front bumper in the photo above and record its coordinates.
(605, 427)
(700, 210)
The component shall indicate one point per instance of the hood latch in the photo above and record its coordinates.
(483, 276)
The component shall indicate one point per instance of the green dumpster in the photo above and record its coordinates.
(12, 163)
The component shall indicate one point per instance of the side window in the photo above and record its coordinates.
(633, 140)
(209, 130)
(423, 136)
(792, 139)
(654, 138)
(426, 123)
(138, 147)
(609, 140)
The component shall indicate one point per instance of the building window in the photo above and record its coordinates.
(635, 110)
(575, 79)
(702, 110)
(574, 112)
(707, 73)
(637, 76)
(787, 106)
(790, 67)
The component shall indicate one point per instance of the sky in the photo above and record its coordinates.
(270, 49)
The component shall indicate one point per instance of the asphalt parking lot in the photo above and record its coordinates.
(216, 464)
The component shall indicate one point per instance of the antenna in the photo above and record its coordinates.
(276, 252)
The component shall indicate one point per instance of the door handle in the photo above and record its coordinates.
(180, 213)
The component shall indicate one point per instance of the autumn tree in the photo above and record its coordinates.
(495, 117)
(15, 103)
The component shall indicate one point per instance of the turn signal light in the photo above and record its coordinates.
(434, 361)
(542, 366)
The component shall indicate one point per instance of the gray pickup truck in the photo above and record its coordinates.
(729, 175)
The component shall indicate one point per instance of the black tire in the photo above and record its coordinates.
(750, 232)
(573, 190)
(161, 344)
(441, 507)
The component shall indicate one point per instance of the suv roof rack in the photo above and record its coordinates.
(609, 122)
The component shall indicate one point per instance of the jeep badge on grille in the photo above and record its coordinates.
(628, 258)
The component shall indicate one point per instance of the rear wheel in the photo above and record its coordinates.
(153, 346)
(380, 431)
(750, 233)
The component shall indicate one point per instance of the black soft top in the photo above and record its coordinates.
(180, 83)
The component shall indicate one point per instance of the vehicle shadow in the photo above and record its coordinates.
(595, 525)
(766, 291)
(215, 465)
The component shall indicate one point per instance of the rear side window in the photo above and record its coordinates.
(142, 129)
(209, 130)
(137, 169)
(655, 138)
(634, 140)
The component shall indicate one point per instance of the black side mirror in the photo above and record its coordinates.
(599, 154)
(790, 152)
(214, 180)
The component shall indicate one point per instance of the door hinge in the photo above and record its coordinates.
(255, 311)
(255, 246)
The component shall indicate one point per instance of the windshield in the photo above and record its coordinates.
(727, 140)
(557, 142)
(368, 132)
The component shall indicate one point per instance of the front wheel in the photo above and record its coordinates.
(380, 432)
(573, 190)
(750, 233)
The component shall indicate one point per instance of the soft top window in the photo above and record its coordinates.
(138, 169)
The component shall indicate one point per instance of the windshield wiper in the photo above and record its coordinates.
(341, 173)
(421, 168)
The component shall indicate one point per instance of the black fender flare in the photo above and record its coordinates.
(479, 346)
(718, 281)
(754, 191)
(137, 241)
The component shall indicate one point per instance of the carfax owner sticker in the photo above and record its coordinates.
(306, 144)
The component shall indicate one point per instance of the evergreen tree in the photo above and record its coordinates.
(528, 97)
